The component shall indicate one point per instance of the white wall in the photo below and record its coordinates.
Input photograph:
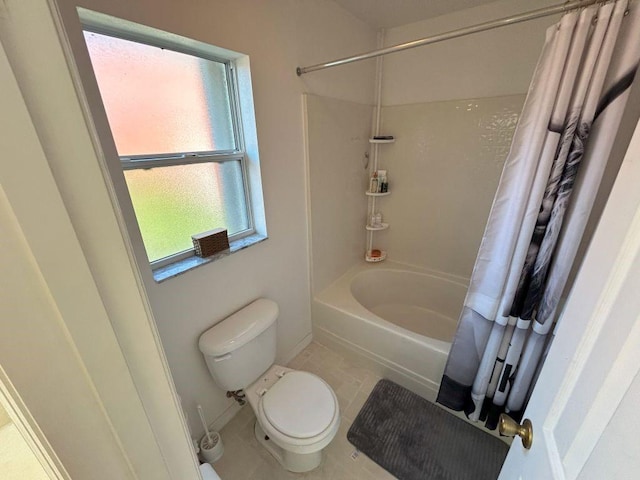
(338, 138)
(443, 169)
(488, 64)
(277, 35)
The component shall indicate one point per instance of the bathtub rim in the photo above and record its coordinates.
(339, 295)
(386, 367)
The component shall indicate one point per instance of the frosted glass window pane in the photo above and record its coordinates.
(173, 203)
(160, 101)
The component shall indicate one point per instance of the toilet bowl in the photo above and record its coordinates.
(297, 415)
(297, 412)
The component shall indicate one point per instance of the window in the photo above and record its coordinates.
(174, 117)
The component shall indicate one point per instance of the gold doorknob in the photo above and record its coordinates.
(508, 427)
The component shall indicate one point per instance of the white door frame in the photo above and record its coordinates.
(31, 433)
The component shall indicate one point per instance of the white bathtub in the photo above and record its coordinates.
(397, 319)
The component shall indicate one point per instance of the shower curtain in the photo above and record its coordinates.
(541, 208)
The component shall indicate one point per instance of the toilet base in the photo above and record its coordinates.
(294, 462)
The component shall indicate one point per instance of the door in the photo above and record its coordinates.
(595, 356)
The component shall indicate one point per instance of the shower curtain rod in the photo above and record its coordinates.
(523, 17)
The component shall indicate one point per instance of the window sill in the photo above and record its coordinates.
(161, 274)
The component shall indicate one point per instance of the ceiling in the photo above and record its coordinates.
(392, 13)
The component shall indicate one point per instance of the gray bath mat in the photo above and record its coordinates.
(413, 439)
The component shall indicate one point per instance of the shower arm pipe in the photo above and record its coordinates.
(481, 27)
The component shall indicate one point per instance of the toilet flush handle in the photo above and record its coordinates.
(222, 357)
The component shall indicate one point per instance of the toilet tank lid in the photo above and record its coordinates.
(240, 328)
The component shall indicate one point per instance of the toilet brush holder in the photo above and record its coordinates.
(211, 451)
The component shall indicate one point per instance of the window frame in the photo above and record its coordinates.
(155, 160)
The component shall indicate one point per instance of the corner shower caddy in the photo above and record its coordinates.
(371, 229)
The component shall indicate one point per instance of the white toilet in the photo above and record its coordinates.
(297, 412)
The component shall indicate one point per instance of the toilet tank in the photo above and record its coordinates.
(241, 347)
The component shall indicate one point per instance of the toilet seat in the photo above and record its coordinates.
(299, 405)
(302, 435)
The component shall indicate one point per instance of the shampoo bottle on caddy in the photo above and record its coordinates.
(375, 184)
(383, 186)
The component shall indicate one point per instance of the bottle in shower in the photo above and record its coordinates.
(383, 185)
(373, 188)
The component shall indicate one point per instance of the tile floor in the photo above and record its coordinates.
(244, 458)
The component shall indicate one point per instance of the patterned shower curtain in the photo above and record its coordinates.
(541, 208)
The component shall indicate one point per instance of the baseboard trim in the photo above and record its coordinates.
(301, 345)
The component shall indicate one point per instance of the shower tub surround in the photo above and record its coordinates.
(396, 319)
(445, 166)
